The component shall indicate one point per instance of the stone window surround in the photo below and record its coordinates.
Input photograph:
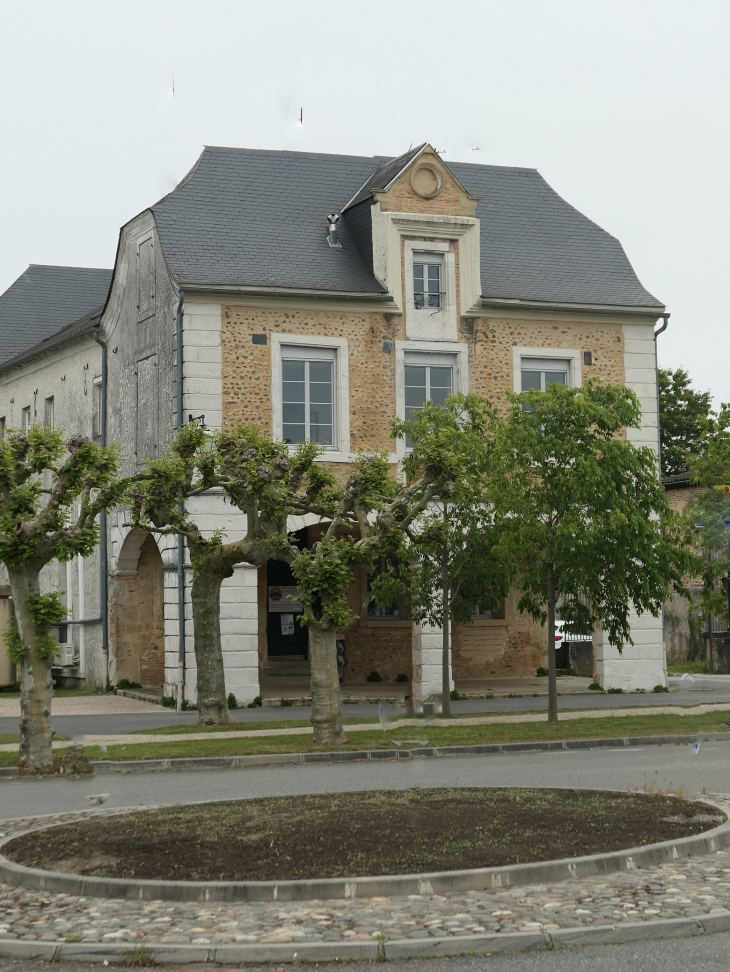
(425, 322)
(571, 355)
(341, 453)
(460, 353)
(388, 230)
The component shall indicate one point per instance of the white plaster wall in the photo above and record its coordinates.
(643, 664)
(65, 374)
(427, 655)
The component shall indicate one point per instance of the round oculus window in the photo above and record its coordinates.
(426, 180)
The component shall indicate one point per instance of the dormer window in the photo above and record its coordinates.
(427, 281)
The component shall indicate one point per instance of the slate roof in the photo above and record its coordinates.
(45, 299)
(244, 217)
(383, 176)
(85, 325)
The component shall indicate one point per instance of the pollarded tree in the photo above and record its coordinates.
(260, 478)
(583, 514)
(363, 516)
(39, 525)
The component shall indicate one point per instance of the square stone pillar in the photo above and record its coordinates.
(639, 666)
(427, 654)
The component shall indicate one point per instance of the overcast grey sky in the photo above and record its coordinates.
(622, 106)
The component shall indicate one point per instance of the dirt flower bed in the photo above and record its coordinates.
(358, 834)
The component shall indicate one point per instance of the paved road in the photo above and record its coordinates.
(653, 766)
(713, 689)
(709, 953)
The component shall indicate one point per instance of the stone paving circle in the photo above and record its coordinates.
(693, 887)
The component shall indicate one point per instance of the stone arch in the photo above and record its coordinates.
(137, 624)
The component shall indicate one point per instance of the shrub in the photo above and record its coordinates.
(660, 688)
(169, 701)
(542, 672)
(595, 687)
(256, 702)
(456, 696)
(232, 702)
(615, 691)
(124, 683)
(374, 677)
(401, 678)
(286, 703)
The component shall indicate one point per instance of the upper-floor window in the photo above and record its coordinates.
(426, 383)
(2, 427)
(428, 281)
(308, 376)
(539, 373)
(25, 419)
(49, 412)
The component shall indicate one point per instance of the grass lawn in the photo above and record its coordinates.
(409, 736)
(695, 667)
(191, 727)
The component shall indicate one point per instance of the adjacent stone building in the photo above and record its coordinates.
(320, 296)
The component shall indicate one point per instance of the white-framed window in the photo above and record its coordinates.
(49, 412)
(2, 427)
(428, 290)
(308, 395)
(427, 371)
(310, 392)
(538, 373)
(25, 419)
(539, 367)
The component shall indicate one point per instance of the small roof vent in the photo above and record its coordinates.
(332, 221)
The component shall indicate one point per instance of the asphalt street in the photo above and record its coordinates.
(675, 766)
(715, 689)
(702, 953)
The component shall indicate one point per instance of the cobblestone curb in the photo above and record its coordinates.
(327, 889)
(397, 949)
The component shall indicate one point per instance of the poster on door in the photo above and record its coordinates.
(285, 600)
(287, 624)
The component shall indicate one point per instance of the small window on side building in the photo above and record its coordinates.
(49, 412)
(25, 419)
(96, 429)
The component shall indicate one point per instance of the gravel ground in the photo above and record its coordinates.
(692, 886)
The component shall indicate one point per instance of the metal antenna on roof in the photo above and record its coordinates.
(301, 116)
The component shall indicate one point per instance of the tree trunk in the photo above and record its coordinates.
(446, 631)
(325, 687)
(552, 683)
(211, 680)
(36, 684)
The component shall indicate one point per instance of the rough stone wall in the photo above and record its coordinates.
(247, 367)
(137, 621)
(499, 649)
(492, 339)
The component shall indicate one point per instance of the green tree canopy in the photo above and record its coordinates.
(583, 515)
(684, 414)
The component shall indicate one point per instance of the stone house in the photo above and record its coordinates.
(320, 296)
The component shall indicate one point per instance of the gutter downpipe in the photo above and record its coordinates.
(660, 330)
(180, 540)
(103, 558)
